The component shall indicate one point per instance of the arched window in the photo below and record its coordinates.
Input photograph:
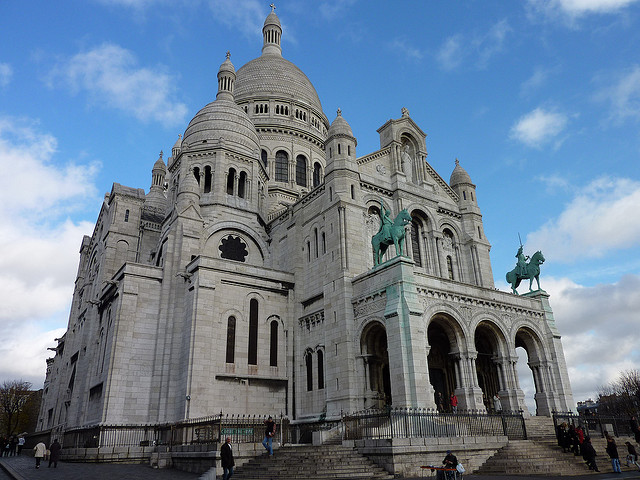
(273, 347)
(242, 184)
(301, 170)
(416, 249)
(231, 340)
(126, 215)
(263, 155)
(231, 178)
(196, 173)
(315, 237)
(450, 267)
(207, 179)
(282, 166)
(339, 149)
(253, 332)
(353, 192)
(277, 109)
(316, 174)
(308, 360)
(324, 243)
(320, 370)
(308, 251)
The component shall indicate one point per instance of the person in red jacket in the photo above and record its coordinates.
(454, 403)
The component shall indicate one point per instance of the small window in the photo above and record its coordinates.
(231, 179)
(339, 149)
(308, 359)
(126, 215)
(348, 149)
(471, 196)
(263, 155)
(253, 332)
(301, 170)
(208, 178)
(282, 166)
(324, 243)
(316, 174)
(242, 184)
(231, 340)
(273, 350)
(196, 174)
(320, 370)
(353, 192)
(464, 195)
(308, 251)
(479, 232)
(450, 267)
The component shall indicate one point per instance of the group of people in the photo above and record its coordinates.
(444, 406)
(11, 445)
(226, 451)
(572, 439)
(52, 453)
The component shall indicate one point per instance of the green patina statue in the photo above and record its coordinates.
(525, 270)
(391, 232)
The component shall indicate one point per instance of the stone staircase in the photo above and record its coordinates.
(543, 456)
(311, 462)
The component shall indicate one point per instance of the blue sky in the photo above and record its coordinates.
(538, 99)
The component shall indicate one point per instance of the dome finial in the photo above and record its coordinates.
(161, 153)
(339, 112)
(228, 55)
(457, 162)
(273, 7)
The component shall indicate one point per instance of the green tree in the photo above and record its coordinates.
(14, 394)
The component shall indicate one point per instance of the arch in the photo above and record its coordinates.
(273, 343)
(317, 174)
(444, 337)
(490, 345)
(196, 174)
(208, 179)
(282, 166)
(308, 361)
(231, 340)
(231, 178)
(373, 347)
(263, 157)
(252, 348)
(530, 363)
(242, 184)
(301, 170)
(254, 243)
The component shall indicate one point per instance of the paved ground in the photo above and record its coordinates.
(23, 468)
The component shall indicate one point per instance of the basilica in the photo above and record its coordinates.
(245, 281)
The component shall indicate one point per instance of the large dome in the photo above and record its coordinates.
(274, 76)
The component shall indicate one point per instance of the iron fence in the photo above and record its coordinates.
(595, 424)
(424, 423)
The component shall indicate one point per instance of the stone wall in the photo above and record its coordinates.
(403, 457)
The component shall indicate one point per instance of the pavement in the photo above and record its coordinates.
(23, 468)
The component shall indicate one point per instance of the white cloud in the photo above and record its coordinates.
(601, 217)
(6, 72)
(401, 46)
(245, 15)
(538, 127)
(599, 328)
(576, 8)
(39, 244)
(623, 96)
(111, 76)
(537, 79)
(331, 9)
(478, 48)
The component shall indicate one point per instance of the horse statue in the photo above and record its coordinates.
(531, 271)
(390, 233)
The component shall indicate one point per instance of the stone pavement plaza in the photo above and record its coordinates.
(23, 468)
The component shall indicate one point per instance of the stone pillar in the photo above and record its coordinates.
(406, 338)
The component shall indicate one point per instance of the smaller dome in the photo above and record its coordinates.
(159, 165)
(189, 184)
(339, 127)
(272, 19)
(459, 175)
(227, 66)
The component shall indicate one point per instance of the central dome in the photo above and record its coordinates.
(273, 76)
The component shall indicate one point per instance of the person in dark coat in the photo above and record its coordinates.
(450, 461)
(226, 459)
(632, 456)
(573, 440)
(612, 450)
(589, 454)
(54, 456)
(635, 429)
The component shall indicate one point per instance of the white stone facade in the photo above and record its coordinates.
(243, 281)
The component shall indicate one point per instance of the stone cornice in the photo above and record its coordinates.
(311, 320)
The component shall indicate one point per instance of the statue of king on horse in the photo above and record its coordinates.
(525, 270)
(391, 232)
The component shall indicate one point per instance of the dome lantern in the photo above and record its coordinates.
(272, 34)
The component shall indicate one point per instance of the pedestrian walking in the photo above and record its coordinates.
(39, 450)
(54, 453)
(632, 455)
(612, 450)
(226, 459)
(269, 432)
(20, 444)
(589, 454)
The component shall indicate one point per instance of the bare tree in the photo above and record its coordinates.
(13, 396)
(622, 396)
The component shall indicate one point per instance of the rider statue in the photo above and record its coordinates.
(385, 221)
(521, 265)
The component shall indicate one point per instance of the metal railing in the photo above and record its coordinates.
(423, 423)
(595, 424)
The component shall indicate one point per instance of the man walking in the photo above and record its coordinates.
(269, 432)
(226, 459)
